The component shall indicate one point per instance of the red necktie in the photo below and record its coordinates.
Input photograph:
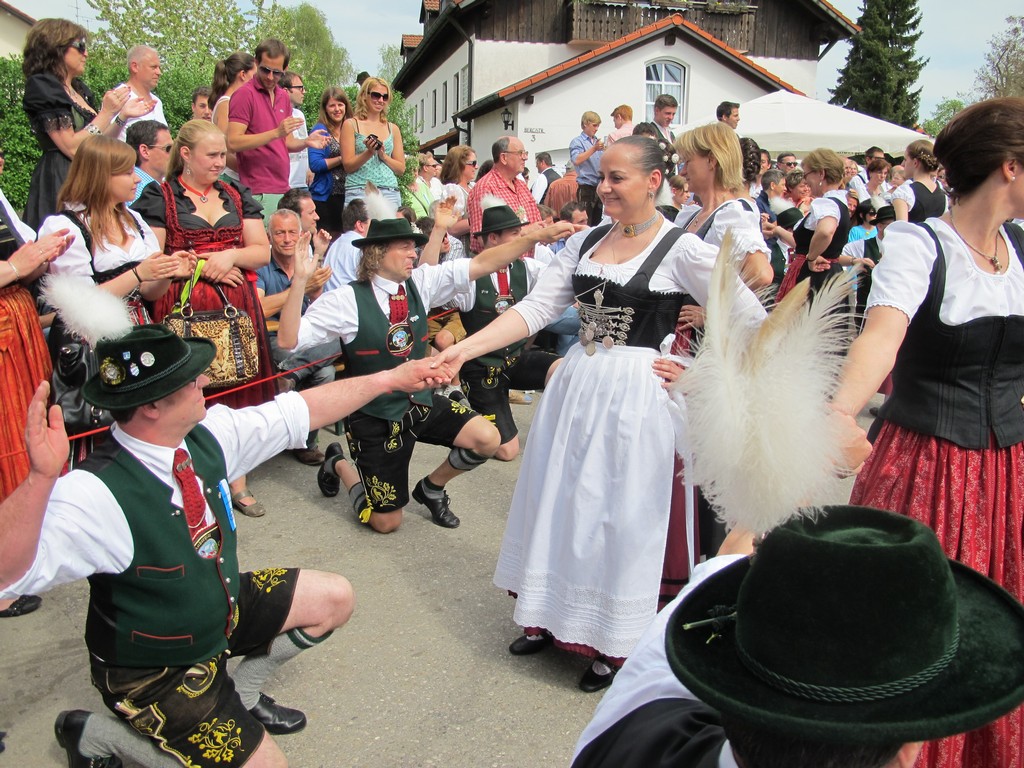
(399, 306)
(503, 282)
(195, 505)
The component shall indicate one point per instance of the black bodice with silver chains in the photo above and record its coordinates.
(627, 315)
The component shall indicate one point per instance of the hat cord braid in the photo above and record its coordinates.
(837, 694)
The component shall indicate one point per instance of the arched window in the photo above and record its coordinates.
(665, 76)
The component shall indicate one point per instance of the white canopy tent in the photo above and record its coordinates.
(783, 121)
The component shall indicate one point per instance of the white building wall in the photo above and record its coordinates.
(799, 73)
(553, 120)
(427, 127)
(497, 64)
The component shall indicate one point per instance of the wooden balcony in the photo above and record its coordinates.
(593, 22)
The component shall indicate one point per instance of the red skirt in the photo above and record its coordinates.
(24, 363)
(974, 501)
(245, 298)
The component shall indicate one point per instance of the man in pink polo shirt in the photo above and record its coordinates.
(260, 126)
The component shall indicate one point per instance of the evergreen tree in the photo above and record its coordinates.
(881, 68)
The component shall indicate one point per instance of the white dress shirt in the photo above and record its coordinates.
(84, 530)
(335, 313)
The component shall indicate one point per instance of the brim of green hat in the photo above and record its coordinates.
(416, 237)
(201, 354)
(984, 680)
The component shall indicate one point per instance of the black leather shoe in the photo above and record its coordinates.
(68, 730)
(277, 719)
(524, 646)
(594, 681)
(329, 482)
(439, 509)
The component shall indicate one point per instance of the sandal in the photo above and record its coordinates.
(256, 509)
(21, 606)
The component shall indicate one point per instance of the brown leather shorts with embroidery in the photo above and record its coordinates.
(194, 713)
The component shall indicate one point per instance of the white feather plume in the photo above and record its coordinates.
(779, 204)
(377, 206)
(86, 310)
(763, 443)
(491, 201)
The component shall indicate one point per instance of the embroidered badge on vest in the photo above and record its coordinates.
(399, 339)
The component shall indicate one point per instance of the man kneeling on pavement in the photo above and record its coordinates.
(148, 520)
(381, 319)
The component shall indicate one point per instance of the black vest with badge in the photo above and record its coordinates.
(631, 314)
(175, 604)
(380, 346)
(489, 304)
(963, 383)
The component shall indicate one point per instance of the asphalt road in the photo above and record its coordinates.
(419, 677)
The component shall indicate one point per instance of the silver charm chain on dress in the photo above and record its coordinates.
(609, 324)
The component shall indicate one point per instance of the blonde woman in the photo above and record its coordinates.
(822, 233)
(371, 145)
(194, 210)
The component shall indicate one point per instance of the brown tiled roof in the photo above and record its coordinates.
(408, 41)
(835, 12)
(633, 37)
(432, 5)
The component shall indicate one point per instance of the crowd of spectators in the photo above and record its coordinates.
(225, 211)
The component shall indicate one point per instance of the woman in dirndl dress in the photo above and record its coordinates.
(193, 210)
(946, 315)
(585, 541)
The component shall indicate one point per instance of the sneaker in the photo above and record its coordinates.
(328, 481)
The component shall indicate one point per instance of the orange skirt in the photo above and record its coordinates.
(24, 362)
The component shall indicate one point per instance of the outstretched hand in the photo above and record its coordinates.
(449, 359)
(417, 375)
(853, 441)
(45, 436)
(557, 231)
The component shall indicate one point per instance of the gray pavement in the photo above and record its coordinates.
(419, 677)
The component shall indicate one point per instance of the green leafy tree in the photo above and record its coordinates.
(21, 150)
(390, 62)
(881, 69)
(945, 111)
(1003, 71)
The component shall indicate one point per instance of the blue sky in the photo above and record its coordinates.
(953, 40)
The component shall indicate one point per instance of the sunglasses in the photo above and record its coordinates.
(381, 96)
(296, 88)
(164, 147)
(271, 71)
(474, 163)
(791, 164)
(78, 45)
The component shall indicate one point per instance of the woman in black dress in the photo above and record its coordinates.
(62, 110)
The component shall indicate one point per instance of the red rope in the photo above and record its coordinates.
(253, 383)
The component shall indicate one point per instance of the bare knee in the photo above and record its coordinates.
(507, 451)
(386, 522)
(341, 599)
(443, 340)
(479, 436)
(267, 755)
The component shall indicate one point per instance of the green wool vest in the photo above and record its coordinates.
(871, 249)
(170, 607)
(484, 311)
(368, 351)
